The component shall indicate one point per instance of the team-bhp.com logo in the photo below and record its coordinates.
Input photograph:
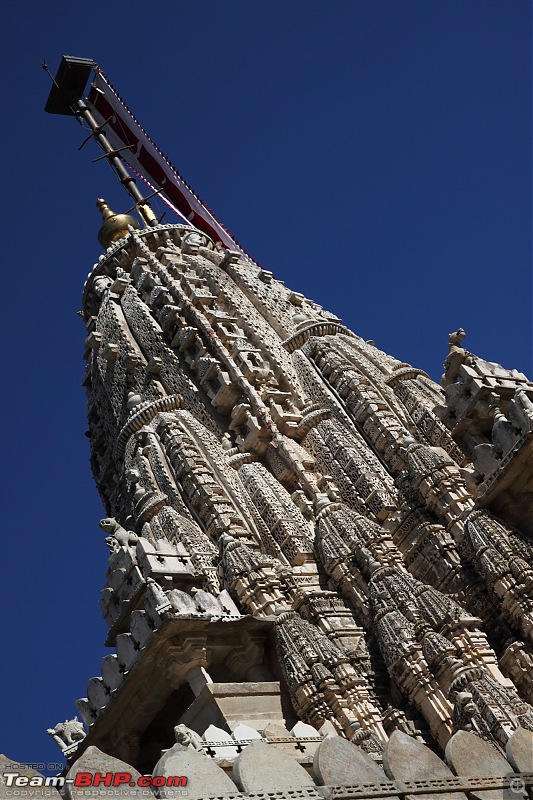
(22, 784)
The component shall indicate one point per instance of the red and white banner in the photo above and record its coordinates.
(146, 159)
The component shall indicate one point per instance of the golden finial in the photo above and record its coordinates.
(114, 226)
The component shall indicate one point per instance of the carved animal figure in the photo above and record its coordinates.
(521, 411)
(67, 732)
(457, 356)
(464, 711)
(102, 283)
(188, 738)
(120, 537)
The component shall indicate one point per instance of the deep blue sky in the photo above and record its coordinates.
(374, 154)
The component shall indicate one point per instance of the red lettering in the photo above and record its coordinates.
(103, 778)
(144, 780)
(121, 777)
(177, 780)
(159, 780)
(83, 779)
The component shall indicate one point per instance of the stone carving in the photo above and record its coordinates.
(517, 664)
(456, 357)
(102, 283)
(67, 733)
(120, 537)
(192, 242)
(488, 411)
(487, 708)
(521, 411)
(503, 559)
(286, 524)
(345, 521)
(188, 737)
(316, 670)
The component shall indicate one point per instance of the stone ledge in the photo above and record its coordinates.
(441, 786)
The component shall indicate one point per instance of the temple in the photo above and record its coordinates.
(319, 579)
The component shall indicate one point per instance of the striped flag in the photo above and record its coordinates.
(147, 160)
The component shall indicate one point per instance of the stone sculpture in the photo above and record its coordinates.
(120, 537)
(188, 737)
(67, 733)
(324, 535)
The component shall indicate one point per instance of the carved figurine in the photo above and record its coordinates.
(521, 411)
(188, 737)
(120, 537)
(67, 733)
(192, 242)
(101, 284)
(457, 356)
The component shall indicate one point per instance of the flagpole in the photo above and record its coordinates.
(127, 180)
(66, 98)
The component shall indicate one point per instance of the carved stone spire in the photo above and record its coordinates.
(287, 515)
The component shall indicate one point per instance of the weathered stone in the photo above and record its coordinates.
(339, 762)
(407, 759)
(230, 704)
(519, 750)
(204, 777)
(304, 731)
(263, 768)
(97, 692)
(94, 760)
(275, 731)
(221, 742)
(197, 677)
(127, 651)
(469, 755)
(7, 766)
(181, 602)
(227, 604)
(243, 733)
(140, 628)
(328, 729)
(87, 712)
(111, 672)
(205, 603)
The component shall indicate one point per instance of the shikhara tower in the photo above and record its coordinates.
(302, 529)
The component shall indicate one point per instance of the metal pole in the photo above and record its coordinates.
(125, 178)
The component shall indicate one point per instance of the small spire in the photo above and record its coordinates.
(114, 226)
